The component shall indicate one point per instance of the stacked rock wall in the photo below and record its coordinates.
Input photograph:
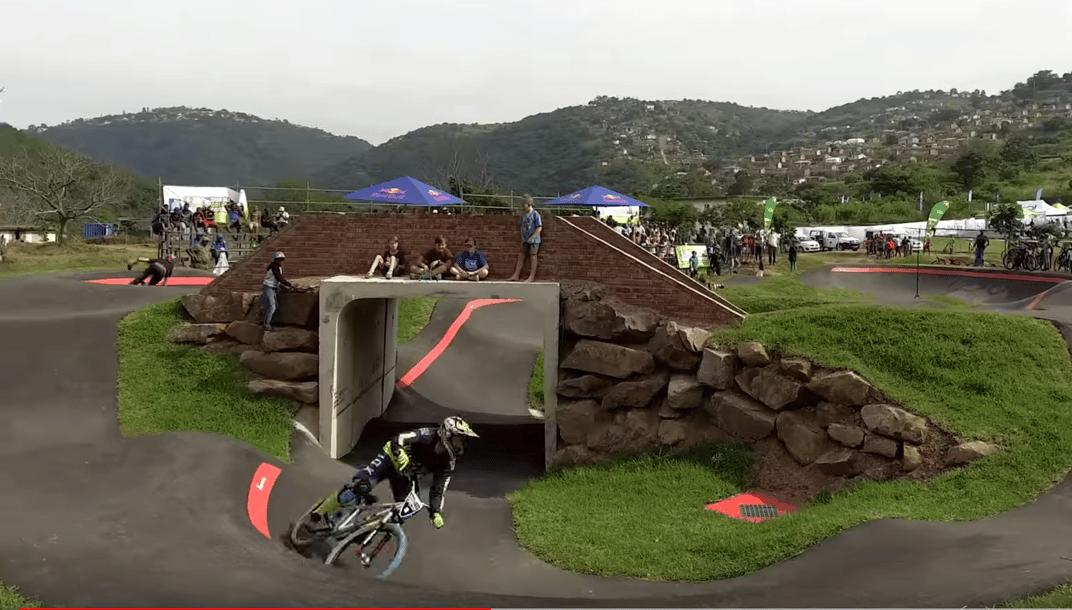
(630, 382)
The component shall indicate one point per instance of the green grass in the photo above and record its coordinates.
(951, 301)
(1061, 597)
(11, 600)
(166, 387)
(413, 316)
(786, 292)
(25, 259)
(1004, 379)
(536, 396)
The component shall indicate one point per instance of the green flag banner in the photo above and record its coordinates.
(936, 214)
(768, 212)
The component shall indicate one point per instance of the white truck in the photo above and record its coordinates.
(831, 240)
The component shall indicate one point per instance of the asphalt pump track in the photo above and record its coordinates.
(195, 520)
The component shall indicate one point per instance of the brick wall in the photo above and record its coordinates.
(327, 244)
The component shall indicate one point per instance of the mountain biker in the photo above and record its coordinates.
(434, 449)
(159, 269)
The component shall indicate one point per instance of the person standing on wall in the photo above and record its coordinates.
(531, 227)
(270, 288)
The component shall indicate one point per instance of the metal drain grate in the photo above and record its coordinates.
(758, 510)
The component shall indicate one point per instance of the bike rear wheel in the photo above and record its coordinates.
(386, 547)
(1009, 259)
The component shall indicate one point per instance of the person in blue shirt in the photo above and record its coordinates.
(694, 263)
(470, 263)
(531, 227)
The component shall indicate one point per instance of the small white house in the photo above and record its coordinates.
(27, 235)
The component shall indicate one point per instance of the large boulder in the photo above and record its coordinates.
(828, 413)
(246, 332)
(850, 436)
(285, 366)
(837, 462)
(301, 391)
(684, 392)
(668, 348)
(581, 290)
(803, 438)
(842, 387)
(609, 319)
(291, 339)
(573, 455)
(673, 431)
(912, 459)
(295, 309)
(753, 354)
(797, 368)
(717, 368)
(576, 419)
(608, 359)
(636, 394)
(214, 308)
(692, 338)
(741, 416)
(641, 429)
(770, 388)
(585, 386)
(895, 423)
(196, 333)
(967, 452)
(880, 445)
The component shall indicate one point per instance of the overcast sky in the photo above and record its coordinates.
(380, 69)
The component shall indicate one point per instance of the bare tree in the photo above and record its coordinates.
(62, 185)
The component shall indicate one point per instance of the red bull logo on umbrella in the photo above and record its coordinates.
(390, 193)
(613, 198)
(437, 196)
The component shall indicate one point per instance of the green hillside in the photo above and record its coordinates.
(201, 146)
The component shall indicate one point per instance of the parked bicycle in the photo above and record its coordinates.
(371, 527)
(1023, 256)
(1064, 259)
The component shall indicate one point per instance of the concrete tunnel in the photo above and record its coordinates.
(358, 348)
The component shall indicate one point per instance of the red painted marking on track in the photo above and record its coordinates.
(1034, 302)
(731, 507)
(440, 347)
(1000, 276)
(257, 500)
(174, 281)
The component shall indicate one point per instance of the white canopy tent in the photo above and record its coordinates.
(216, 197)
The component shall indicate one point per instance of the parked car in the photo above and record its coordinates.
(808, 244)
(829, 240)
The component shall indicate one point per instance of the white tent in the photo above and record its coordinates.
(1042, 208)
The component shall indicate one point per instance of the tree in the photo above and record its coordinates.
(1018, 153)
(742, 184)
(63, 185)
(970, 169)
(1005, 219)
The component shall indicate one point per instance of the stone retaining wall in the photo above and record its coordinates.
(632, 382)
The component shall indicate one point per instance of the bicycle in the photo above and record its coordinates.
(1021, 256)
(360, 523)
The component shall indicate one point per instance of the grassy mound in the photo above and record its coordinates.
(25, 259)
(167, 387)
(1006, 379)
(11, 600)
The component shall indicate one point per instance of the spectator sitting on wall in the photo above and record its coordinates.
(392, 259)
(282, 218)
(471, 264)
(199, 255)
(267, 221)
(437, 261)
(234, 215)
(531, 226)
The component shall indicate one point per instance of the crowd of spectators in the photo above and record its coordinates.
(470, 264)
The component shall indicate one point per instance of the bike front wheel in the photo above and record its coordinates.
(1009, 260)
(301, 531)
(381, 553)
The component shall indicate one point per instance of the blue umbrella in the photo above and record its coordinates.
(597, 196)
(404, 190)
